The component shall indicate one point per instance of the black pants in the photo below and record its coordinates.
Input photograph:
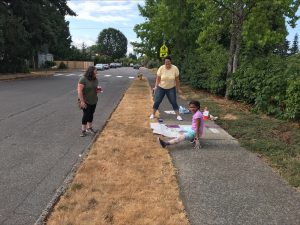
(88, 114)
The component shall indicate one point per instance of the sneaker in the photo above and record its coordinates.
(91, 131)
(179, 118)
(151, 116)
(162, 143)
(83, 133)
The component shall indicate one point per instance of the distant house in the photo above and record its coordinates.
(43, 57)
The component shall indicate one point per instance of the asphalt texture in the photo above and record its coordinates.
(224, 184)
(39, 137)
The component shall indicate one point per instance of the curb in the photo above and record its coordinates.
(62, 189)
(7, 77)
(23, 76)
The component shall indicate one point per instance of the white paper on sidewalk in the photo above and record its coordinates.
(214, 130)
(170, 132)
(170, 112)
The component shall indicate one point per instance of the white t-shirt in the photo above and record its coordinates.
(167, 76)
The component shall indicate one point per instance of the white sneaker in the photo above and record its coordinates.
(151, 116)
(179, 118)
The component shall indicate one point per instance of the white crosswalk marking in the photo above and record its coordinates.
(82, 74)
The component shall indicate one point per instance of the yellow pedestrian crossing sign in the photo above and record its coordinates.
(163, 51)
(163, 54)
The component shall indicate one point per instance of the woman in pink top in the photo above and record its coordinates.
(191, 134)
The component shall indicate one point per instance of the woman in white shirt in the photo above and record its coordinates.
(167, 81)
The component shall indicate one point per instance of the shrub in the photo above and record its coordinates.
(292, 110)
(62, 66)
(49, 64)
(153, 64)
(271, 84)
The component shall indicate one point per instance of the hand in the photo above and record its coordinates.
(82, 105)
(197, 144)
(180, 91)
(153, 90)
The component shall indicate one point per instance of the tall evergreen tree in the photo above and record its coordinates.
(295, 45)
(283, 49)
(28, 27)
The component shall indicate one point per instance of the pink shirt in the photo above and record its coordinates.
(198, 115)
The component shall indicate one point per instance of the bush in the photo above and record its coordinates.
(49, 64)
(206, 69)
(153, 64)
(292, 110)
(271, 84)
(62, 66)
(15, 65)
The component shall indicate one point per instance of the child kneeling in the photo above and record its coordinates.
(192, 134)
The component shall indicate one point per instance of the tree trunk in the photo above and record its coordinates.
(235, 45)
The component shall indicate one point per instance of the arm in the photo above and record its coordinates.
(196, 139)
(198, 121)
(80, 95)
(178, 85)
(158, 79)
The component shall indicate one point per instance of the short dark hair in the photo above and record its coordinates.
(195, 103)
(168, 57)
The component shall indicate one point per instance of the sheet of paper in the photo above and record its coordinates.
(170, 112)
(165, 130)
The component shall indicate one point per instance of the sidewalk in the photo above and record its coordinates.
(225, 184)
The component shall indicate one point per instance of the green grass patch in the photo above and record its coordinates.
(75, 187)
(277, 141)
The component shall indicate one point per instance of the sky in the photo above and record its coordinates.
(95, 15)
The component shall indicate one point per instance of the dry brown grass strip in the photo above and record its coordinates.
(127, 178)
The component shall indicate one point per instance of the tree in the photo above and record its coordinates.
(113, 43)
(254, 25)
(132, 56)
(28, 27)
(295, 46)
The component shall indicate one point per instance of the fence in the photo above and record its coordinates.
(76, 64)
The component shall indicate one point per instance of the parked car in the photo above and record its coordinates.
(136, 66)
(113, 65)
(118, 64)
(99, 66)
(106, 66)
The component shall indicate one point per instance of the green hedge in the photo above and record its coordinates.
(270, 83)
(206, 69)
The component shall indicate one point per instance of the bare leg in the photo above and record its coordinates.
(172, 141)
(176, 140)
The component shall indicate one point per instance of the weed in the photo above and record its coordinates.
(75, 187)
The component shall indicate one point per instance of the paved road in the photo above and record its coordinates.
(39, 137)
